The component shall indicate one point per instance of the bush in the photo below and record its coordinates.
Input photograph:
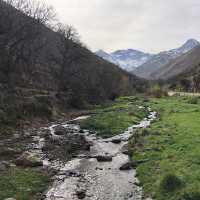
(191, 196)
(170, 183)
(158, 92)
(193, 100)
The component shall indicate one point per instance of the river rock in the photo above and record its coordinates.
(60, 130)
(3, 166)
(45, 133)
(28, 160)
(138, 162)
(104, 158)
(81, 194)
(10, 199)
(116, 141)
(125, 150)
(127, 166)
(81, 131)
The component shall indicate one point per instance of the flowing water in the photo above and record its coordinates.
(86, 178)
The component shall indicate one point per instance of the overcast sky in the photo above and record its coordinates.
(149, 25)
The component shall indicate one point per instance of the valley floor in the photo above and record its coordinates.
(169, 148)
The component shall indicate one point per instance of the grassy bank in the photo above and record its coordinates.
(114, 118)
(171, 146)
(22, 184)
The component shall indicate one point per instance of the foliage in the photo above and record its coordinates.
(115, 117)
(191, 196)
(193, 100)
(170, 183)
(158, 91)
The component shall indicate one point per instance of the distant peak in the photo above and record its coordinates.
(191, 42)
(100, 51)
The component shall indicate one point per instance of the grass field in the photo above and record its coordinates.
(22, 184)
(114, 118)
(172, 146)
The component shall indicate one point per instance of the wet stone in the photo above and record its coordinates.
(104, 158)
(3, 166)
(127, 166)
(116, 141)
(81, 131)
(125, 150)
(60, 130)
(81, 194)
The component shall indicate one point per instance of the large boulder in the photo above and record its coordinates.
(28, 160)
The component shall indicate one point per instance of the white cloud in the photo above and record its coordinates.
(151, 25)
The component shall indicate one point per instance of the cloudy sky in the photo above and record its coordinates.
(149, 25)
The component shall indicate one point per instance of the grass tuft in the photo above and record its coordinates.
(170, 183)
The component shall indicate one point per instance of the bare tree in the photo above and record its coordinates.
(70, 51)
(21, 38)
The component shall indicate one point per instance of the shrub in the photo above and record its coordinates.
(191, 196)
(170, 183)
(158, 92)
(193, 100)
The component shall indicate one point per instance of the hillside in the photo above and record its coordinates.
(155, 67)
(188, 81)
(43, 70)
(179, 65)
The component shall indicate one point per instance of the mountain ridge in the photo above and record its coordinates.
(144, 64)
(158, 61)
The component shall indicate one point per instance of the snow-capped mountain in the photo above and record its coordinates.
(187, 46)
(130, 58)
(145, 64)
(106, 56)
(151, 67)
(127, 59)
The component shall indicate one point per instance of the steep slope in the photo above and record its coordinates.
(179, 65)
(126, 59)
(36, 86)
(106, 56)
(188, 81)
(158, 61)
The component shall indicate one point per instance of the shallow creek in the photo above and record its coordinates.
(86, 178)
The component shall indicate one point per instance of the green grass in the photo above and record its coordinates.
(22, 184)
(113, 119)
(172, 146)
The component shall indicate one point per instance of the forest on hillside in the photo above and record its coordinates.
(44, 65)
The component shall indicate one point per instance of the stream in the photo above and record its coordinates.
(96, 174)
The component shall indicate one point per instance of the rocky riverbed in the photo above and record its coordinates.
(102, 171)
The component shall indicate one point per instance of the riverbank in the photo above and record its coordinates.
(105, 172)
(23, 175)
(28, 179)
(171, 146)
